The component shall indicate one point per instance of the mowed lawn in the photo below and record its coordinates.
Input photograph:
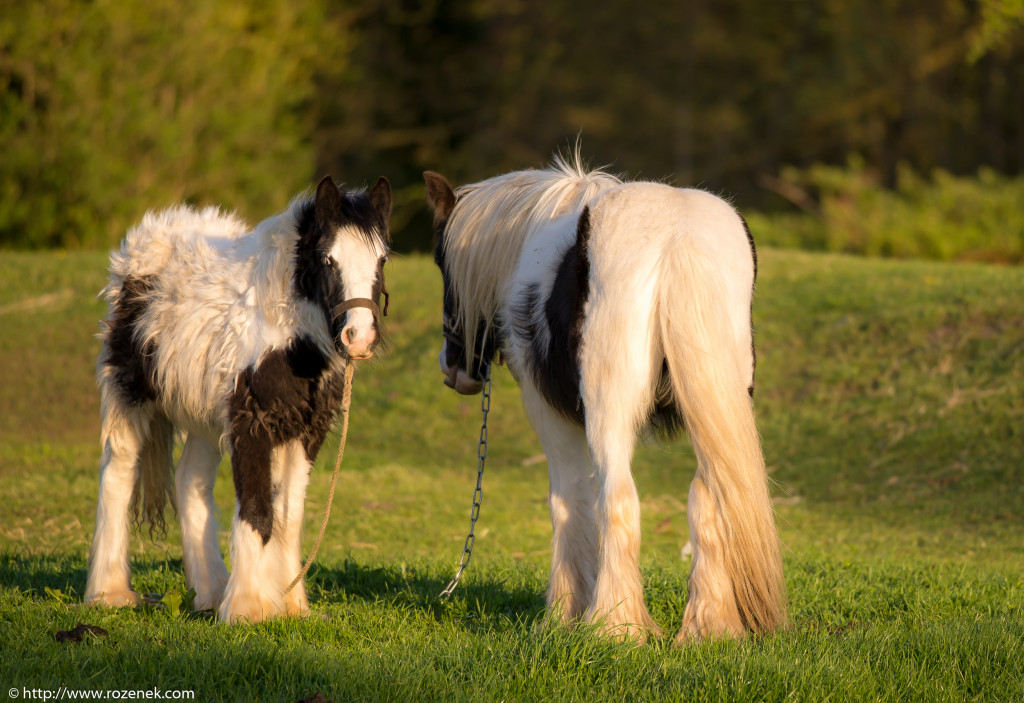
(890, 397)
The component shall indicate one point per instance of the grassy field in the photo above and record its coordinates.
(890, 398)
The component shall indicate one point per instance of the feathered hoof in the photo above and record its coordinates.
(247, 608)
(708, 627)
(634, 627)
(114, 599)
(295, 602)
(207, 603)
(630, 632)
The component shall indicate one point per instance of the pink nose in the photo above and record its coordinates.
(358, 343)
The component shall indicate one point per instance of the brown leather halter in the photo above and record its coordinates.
(347, 305)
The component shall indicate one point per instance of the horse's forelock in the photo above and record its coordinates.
(356, 209)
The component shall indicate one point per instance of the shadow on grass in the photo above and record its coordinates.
(34, 573)
(491, 590)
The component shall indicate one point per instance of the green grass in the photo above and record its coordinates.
(890, 398)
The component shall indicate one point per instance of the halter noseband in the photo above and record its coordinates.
(347, 305)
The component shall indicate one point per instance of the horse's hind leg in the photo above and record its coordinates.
(571, 499)
(205, 571)
(616, 393)
(124, 431)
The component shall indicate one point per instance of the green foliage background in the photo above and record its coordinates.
(108, 109)
(944, 217)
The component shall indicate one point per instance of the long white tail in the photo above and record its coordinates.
(737, 579)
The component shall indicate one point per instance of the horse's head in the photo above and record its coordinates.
(341, 261)
(463, 371)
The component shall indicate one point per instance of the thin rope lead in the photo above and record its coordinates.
(346, 403)
(481, 456)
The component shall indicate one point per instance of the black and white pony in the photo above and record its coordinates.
(239, 338)
(618, 306)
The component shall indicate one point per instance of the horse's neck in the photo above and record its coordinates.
(271, 248)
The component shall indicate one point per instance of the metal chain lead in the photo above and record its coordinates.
(481, 456)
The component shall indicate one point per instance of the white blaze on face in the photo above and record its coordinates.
(357, 263)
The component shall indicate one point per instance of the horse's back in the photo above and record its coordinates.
(180, 234)
(181, 272)
(653, 247)
(654, 219)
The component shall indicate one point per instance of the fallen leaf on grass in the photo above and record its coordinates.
(172, 601)
(56, 594)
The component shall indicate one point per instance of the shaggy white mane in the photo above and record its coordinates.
(493, 220)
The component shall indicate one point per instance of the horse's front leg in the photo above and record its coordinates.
(253, 591)
(571, 500)
(292, 465)
(205, 571)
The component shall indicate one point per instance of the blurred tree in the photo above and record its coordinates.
(1002, 24)
(718, 94)
(110, 108)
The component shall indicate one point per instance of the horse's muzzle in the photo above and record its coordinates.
(457, 378)
(359, 341)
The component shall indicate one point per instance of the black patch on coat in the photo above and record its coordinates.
(293, 394)
(556, 366)
(316, 278)
(133, 364)
(753, 351)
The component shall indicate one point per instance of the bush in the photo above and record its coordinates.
(943, 217)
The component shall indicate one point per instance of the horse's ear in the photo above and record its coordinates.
(439, 194)
(328, 204)
(380, 198)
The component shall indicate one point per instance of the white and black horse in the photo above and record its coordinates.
(619, 305)
(240, 338)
